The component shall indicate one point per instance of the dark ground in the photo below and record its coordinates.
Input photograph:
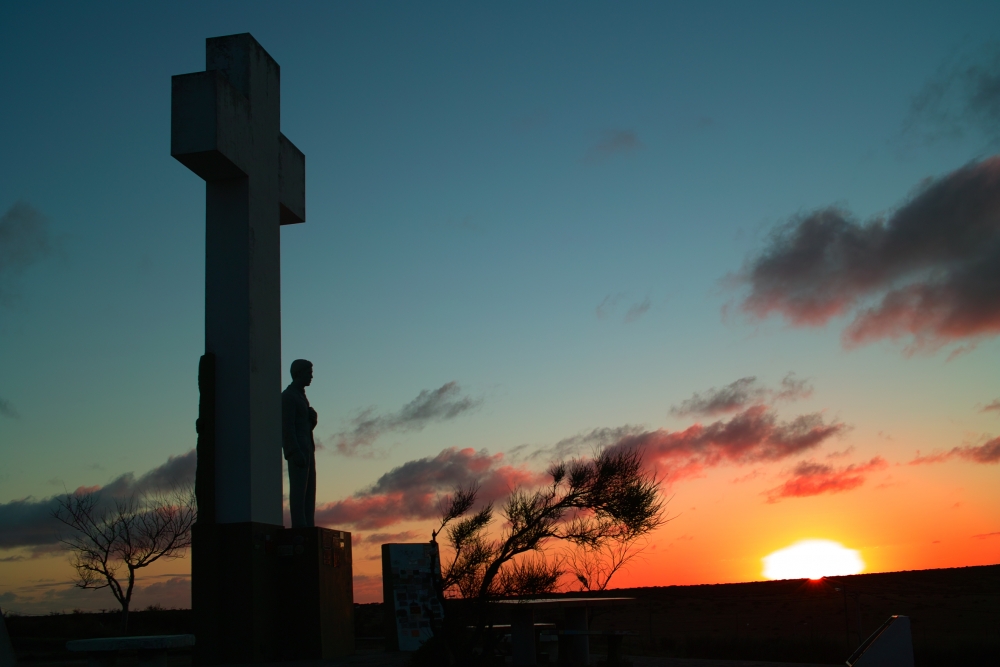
(955, 615)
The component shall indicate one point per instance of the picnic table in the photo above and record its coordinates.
(575, 628)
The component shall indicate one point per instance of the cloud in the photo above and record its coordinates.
(963, 96)
(929, 271)
(731, 398)
(7, 410)
(607, 305)
(437, 405)
(637, 310)
(416, 489)
(592, 440)
(812, 479)
(388, 538)
(28, 522)
(740, 394)
(613, 142)
(986, 453)
(752, 436)
(752, 475)
(367, 588)
(792, 389)
(985, 536)
(992, 407)
(24, 240)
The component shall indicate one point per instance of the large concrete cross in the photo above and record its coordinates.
(225, 127)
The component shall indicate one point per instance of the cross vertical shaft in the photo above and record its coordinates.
(225, 126)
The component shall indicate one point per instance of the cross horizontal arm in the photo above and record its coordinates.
(210, 126)
(292, 183)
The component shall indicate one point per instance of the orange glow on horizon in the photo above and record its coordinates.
(812, 559)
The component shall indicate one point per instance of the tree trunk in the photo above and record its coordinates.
(127, 600)
(123, 626)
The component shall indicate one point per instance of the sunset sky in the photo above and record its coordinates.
(759, 240)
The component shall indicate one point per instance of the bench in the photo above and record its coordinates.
(103, 652)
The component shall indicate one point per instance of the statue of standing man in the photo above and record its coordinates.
(298, 420)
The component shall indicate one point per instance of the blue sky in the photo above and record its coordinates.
(480, 180)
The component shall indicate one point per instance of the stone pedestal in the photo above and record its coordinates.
(314, 578)
(263, 593)
(233, 594)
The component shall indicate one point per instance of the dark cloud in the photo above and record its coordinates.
(792, 389)
(608, 304)
(741, 394)
(613, 142)
(812, 479)
(752, 436)
(731, 398)
(962, 98)
(929, 271)
(416, 489)
(437, 405)
(986, 453)
(24, 240)
(574, 445)
(992, 407)
(985, 536)
(637, 310)
(28, 522)
(7, 410)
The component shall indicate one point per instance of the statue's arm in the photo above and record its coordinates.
(289, 441)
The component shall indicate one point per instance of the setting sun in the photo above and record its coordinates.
(812, 559)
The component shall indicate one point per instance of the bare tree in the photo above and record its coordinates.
(593, 566)
(114, 537)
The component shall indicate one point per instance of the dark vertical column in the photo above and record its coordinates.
(577, 646)
(522, 635)
(204, 478)
(227, 337)
(234, 600)
(389, 601)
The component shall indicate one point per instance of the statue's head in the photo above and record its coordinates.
(302, 372)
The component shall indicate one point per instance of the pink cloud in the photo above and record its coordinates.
(752, 436)
(416, 489)
(812, 479)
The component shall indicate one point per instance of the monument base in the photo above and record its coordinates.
(264, 593)
(314, 575)
(233, 594)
